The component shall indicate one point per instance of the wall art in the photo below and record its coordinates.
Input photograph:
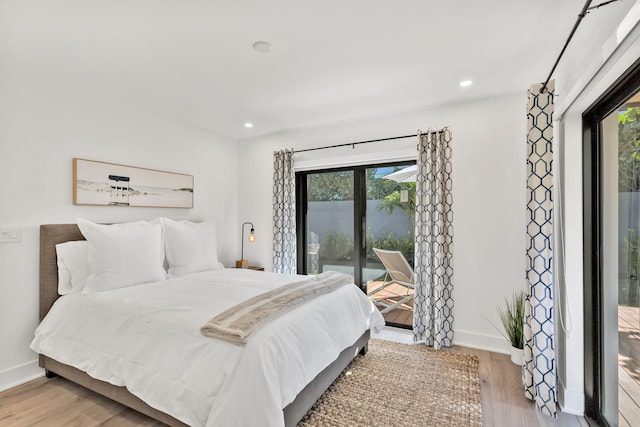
(108, 184)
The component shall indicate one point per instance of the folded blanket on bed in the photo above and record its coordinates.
(237, 323)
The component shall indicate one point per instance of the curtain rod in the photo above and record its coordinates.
(581, 15)
(585, 10)
(353, 144)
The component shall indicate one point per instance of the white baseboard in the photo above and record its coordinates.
(461, 338)
(570, 401)
(389, 333)
(20, 374)
(481, 342)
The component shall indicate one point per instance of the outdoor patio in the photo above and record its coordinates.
(401, 315)
(628, 365)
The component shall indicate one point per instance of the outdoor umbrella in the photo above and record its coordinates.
(407, 174)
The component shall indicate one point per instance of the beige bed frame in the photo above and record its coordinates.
(52, 234)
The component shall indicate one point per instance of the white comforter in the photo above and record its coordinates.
(147, 338)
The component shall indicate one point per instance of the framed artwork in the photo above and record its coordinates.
(108, 184)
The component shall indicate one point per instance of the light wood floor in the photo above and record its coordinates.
(57, 402)
(502, 396)
(501, 393)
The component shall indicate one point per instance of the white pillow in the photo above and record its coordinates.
(73, 266)
(123, 254)
(190, 246)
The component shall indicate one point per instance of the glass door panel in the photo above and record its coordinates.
(389, 225)
(623, 127)
(330, 219)
(611, 184)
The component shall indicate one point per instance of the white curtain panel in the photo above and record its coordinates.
(284, 213)
(433, 267)
(539, 370)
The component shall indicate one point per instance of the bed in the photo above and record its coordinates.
(240, 366)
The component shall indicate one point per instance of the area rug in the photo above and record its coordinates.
(402, 385)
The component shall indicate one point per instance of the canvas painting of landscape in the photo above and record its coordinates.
(108, 184)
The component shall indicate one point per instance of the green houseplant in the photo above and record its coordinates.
(512, 317)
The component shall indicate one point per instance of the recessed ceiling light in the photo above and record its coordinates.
(248, 125)
(466, 83)
(262, 46)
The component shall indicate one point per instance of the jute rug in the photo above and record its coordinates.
(402, 385)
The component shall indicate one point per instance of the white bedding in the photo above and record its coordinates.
(147, 337)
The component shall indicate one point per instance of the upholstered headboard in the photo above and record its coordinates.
(50, 236)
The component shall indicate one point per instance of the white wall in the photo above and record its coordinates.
(489, 145)
(45, 122)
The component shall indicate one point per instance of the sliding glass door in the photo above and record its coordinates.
(621, 130)
(329, 229)
(611, 226)
(344, 213)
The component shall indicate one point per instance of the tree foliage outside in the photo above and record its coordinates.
(336, 246)
(390, 242)
(335, 186)
(338, 186)
(330, 186)
(629, 175)
(339, 246)
(629, 150)
(378, 188)
(630, 253)
(393, 200)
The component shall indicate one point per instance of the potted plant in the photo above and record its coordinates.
(512, 318)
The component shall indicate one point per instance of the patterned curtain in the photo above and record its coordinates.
(433, 299)
(284, 213)
(539, 370)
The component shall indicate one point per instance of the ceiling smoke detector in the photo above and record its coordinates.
(262, 46)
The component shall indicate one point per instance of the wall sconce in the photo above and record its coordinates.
(243, 263)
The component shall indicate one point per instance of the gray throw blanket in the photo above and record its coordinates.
(240, 321)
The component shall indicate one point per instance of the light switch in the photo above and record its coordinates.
(10, 235)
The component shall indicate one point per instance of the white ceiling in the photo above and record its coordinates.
(331, 60)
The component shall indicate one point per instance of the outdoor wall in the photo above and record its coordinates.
(321, 217)
(628, 261)
(488, 189)
(378, 221)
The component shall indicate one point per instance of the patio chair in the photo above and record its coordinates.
(399, 272)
